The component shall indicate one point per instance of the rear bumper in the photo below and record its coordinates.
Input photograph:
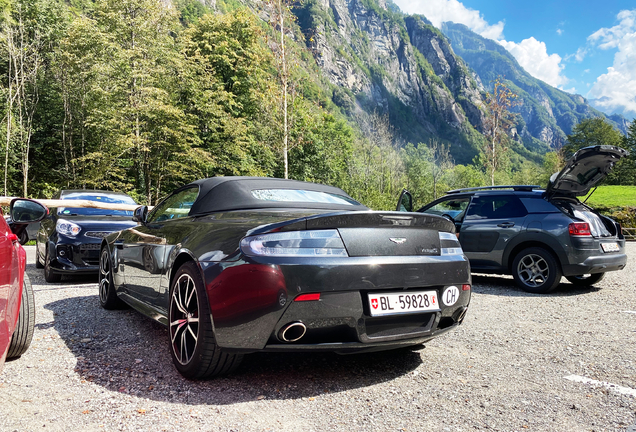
(340, 321)
(587, 256)
(596, 264)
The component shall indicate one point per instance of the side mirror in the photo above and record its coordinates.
(25, 211)
(405, 203)
(140, 214)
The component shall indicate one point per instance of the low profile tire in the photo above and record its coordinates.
(586, 280)
(49, 275)
(536, 271)
(192, 344)
(38, 260)
(23, 333)
(24, 237)
(107, 296)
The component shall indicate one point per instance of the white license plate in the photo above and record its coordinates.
(610, 247)
(412, 302)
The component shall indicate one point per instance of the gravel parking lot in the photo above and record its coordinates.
(559, 362)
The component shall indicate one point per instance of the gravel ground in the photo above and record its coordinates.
(504, 369)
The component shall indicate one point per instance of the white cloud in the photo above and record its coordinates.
(560, 31)
(617, 88)
(611, 37)
(440, 11)
(533, 56)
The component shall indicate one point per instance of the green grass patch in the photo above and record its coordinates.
(613, 196)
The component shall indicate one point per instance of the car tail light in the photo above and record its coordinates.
(318, 243)
(580, 229)
(465, 287)
(308, 297)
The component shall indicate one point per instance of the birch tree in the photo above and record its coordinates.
(499, 120)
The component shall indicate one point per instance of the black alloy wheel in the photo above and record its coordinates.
(536, 271)
(193, 347)
(49, 275)
(23, 333)
(586, 280)
(107, 295)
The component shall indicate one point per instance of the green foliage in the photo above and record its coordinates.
(617, 202)
(592, 132)
(612, 196)
(190, 10)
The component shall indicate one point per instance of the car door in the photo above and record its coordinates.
(144, 248)
(452, 208)
(490, 222)
(9, 285)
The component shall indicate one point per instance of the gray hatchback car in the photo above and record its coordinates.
(538, 235)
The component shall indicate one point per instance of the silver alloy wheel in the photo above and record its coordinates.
(104, 277)
(184, 319)
(533, 270)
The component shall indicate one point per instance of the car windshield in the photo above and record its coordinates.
(295, 195)
(104, 198)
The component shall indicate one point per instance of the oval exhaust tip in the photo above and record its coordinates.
(292, 332)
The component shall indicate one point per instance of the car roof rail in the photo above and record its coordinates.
(517, 188)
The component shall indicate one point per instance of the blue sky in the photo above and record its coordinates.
(585, 47)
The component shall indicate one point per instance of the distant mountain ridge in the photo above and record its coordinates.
(549, 114)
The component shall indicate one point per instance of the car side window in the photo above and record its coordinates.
(455, 208)
(175, 206)
(495, 207)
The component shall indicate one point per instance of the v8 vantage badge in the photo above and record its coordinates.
(450, 296)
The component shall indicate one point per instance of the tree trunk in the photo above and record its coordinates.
(285, 83)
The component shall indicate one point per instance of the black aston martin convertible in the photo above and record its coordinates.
(234, 265)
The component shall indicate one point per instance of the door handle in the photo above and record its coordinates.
(506, 225)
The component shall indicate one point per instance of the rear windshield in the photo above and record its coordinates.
(109, 199)
(304, 196)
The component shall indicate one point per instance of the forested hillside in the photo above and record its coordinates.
(143, 96)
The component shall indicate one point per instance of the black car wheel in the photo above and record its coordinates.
(24, 237)
(586, 280)
(107, 296)
(23, 333)
(38, 260)
(536, 271)
(49, 275)
(192, 343)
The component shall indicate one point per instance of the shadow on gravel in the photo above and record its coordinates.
(505, 286)
(125, 352)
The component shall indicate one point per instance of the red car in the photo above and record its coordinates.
(17, 306)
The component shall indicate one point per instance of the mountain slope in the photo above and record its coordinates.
(379, 61)
(548, 114)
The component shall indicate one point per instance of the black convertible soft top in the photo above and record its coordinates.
(242, 193)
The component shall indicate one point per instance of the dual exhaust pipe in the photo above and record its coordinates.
(292, 332)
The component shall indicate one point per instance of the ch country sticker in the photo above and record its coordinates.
(450, 296)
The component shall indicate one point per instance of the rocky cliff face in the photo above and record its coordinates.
(401, 67)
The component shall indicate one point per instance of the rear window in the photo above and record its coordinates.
(538, 205)
(304, 196)
(109, 199)
(495, 207)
